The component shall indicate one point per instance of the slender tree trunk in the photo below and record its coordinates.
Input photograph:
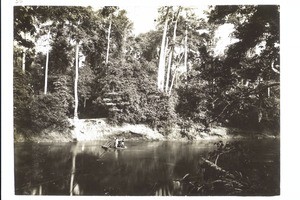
(23, 61)
(171, 52)
(46, 72)
(175, 77)
(167, 50)
(185, 54)
(161, 65)
(84, 102)
(172, 83)
(76, 83)
(108, 42)
(169, 68)
(123, 49)
(260, 115)
(46, 67)
(24, 56)
(166, 47)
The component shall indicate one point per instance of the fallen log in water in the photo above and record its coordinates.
(217, 168)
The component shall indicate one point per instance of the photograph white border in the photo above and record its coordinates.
(289, 99)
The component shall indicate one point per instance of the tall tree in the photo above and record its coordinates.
(76, 82)
(172, 50)
(185, 51)
(108, 42)
(47, 63)
(108, 12)
(161, 65)
(24, 29)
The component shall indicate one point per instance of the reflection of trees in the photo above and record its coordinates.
(146, 168)
(45, 168)
(73, 170)
(75, 188)
(42, 169)
(140, 170)
(180, 158)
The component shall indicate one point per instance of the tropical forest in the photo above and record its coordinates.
(207, 116)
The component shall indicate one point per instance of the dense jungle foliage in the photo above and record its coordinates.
(119, 72)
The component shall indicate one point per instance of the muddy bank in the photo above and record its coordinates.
(91, 130)
(99, 129)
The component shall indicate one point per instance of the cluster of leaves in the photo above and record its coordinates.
(35, 111)
(129, 93)
(46, 111)
(22, 97)
(49, 110)
(193, 102)
(239, 88)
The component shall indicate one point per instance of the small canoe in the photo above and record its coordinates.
(105, 147)
(109, 147)
(120, 147)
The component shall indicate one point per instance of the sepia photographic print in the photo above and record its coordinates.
(146, 100)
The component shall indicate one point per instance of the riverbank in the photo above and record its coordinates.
(100, 129)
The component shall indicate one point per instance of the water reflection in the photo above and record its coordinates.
(145, 168)
(74, 189)
(37, 190)
(40, 169)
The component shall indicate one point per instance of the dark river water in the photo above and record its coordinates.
(144, 168)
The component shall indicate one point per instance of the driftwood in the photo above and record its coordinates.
(217, 168)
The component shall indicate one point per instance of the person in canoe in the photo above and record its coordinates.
(122, 143)
(116, 145)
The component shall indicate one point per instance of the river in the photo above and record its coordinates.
(144, 168)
